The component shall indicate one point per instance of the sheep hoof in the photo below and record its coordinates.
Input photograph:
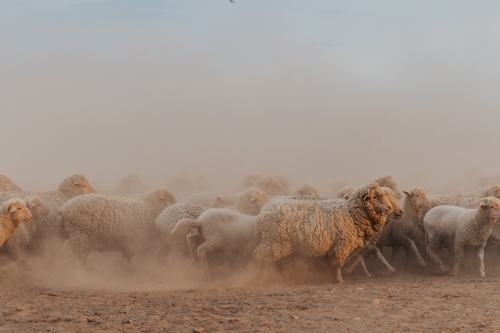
(391, 270)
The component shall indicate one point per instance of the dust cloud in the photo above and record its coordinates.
(327, 95)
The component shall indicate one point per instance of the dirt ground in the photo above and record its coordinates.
(301, 299)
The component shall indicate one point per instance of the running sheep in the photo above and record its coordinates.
(251, 201)
(21, 237)
(386, 181)
(465, 201)
(458, 228)
(220, 229)
(13, 212)
(409, 230)
(47, 226)
(335, 229)
(110, 223)
(166, 221)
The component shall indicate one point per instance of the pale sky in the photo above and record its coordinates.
(318, 91)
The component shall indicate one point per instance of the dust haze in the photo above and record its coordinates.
(324, 94)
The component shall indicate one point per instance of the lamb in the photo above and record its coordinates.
(47, 226)
(251, 201)
(306, 191)
(110, 223)
(13, 212)
(168, 218)
(15, 245)
(271, 186)
(409, 229)
(458, 228)
(6, 184)
(220, 229)
(465, 201)
(372, 246)
(334, 229)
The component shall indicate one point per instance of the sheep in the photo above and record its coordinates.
(386, 181)
(271, 186)
(345, 192)
(168, 218)
(13, 212)
(219, 229)
(458, 228)
(251, 201)
(6, 184)
(306, 191)
(372, 245)
(334, 229)
(110, 223)
(209, 200)
(22, 235)
(249, 181)
(465, 201)
(131, 184)
(47, 226)
(409, 229)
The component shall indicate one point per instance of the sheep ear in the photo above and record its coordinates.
(12, 208)
(367, 197)
(219, 199)
(407, 193)
(31, 202)
(482, 205)
(161, 198)
(76, 184)
(253, 199)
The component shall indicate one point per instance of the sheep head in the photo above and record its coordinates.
(75, 185)
(17, 211)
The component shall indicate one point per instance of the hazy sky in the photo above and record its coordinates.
(318, 91)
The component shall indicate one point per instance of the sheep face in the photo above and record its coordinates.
(75, 185)
(417, 198)
(159, 199)
(17, 210)
(492, 205)
(380, 200)
(397, 211)
(36, 206)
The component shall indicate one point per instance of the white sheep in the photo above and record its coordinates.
(47, 226)
(271, 186)
(345, 192)
(306, 191)
(335, 229)
(458, 228)
(15, 245)
(465, 201)
(220, 229)
(110, 223)
(251, 201)
(209, 200)
(409, 229)
(13, 212)
(168, 218)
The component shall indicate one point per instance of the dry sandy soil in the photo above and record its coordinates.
(90, 301)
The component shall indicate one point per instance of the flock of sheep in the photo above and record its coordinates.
(262, 223)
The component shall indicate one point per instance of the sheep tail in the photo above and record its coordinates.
(190, 223)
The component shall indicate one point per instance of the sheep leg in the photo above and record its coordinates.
(193, 242)
(413, 248)
(395, 251)
(79, 245)
(382, 259)
(204, 248)
(459, 254)
(434, 245)
(480, 254)
(352, 263)
(362, 263)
